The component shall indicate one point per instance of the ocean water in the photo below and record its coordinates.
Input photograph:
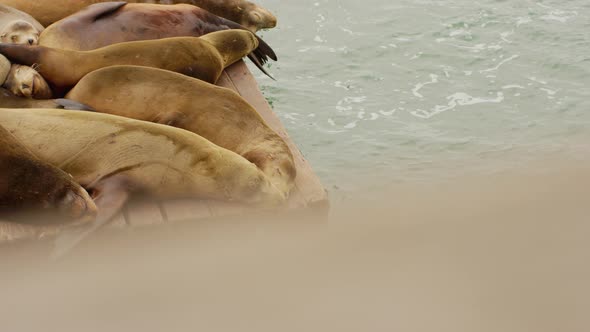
(378, 93)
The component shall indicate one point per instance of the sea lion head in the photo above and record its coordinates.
(232, 44)
(25, 81)
(258, 18)
(20, 32)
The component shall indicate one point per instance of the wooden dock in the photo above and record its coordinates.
(308, 197)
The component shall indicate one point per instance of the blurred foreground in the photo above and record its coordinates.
(506, 253)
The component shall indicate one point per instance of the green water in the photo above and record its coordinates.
(381, 92)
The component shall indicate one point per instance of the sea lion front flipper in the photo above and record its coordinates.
(69, 104)
(112, 194)
(98, 11)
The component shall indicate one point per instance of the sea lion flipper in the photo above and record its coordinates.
(98, 11)
(112, 196)
(69, 104)
(256, 61)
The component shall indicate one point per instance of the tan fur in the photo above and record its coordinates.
(218, 114)
(159, 160)
(243, 12)
(18, 27)
(203, 58)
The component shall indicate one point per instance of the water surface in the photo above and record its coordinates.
(377, 93)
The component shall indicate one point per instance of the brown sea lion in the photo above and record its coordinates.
(113, 156)
(18, 27)
(203, 58)
(30, 185)
(242, 12)
(215, 113)
(109, 23)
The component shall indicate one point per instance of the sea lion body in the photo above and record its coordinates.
(18, 27)
(242, 12)
(215, 113)
(203, 58)
(108, 23)
(28, 184)
(159, 160)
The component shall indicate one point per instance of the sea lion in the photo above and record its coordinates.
(30, 185)
(23, 81)
(203, 58)
(18, 27)
(159, 160)
(109, 23)
(215, 113)
(113, 156)
(242, 12)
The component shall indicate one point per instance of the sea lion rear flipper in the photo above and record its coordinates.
(256, 61)
(69, 104)
(112, 196)
(98, 11)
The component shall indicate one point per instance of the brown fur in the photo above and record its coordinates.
(218, 114)
(242, 12)
(28, 184)
(109, 23)
(203, 58)
(159, 160)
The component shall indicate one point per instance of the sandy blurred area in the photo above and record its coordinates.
(508, 252)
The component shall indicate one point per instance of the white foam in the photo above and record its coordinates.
(454, 100)
(417, 87)
(499, 64)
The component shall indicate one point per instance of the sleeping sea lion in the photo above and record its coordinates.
(203, 58)
(23, 81)
(113, 156)
(18, 27)
(215, 113)
(105, 152)
(30, 185)
(109, 23)
(242, 12)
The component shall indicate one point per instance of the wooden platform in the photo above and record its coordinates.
(309, 196)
